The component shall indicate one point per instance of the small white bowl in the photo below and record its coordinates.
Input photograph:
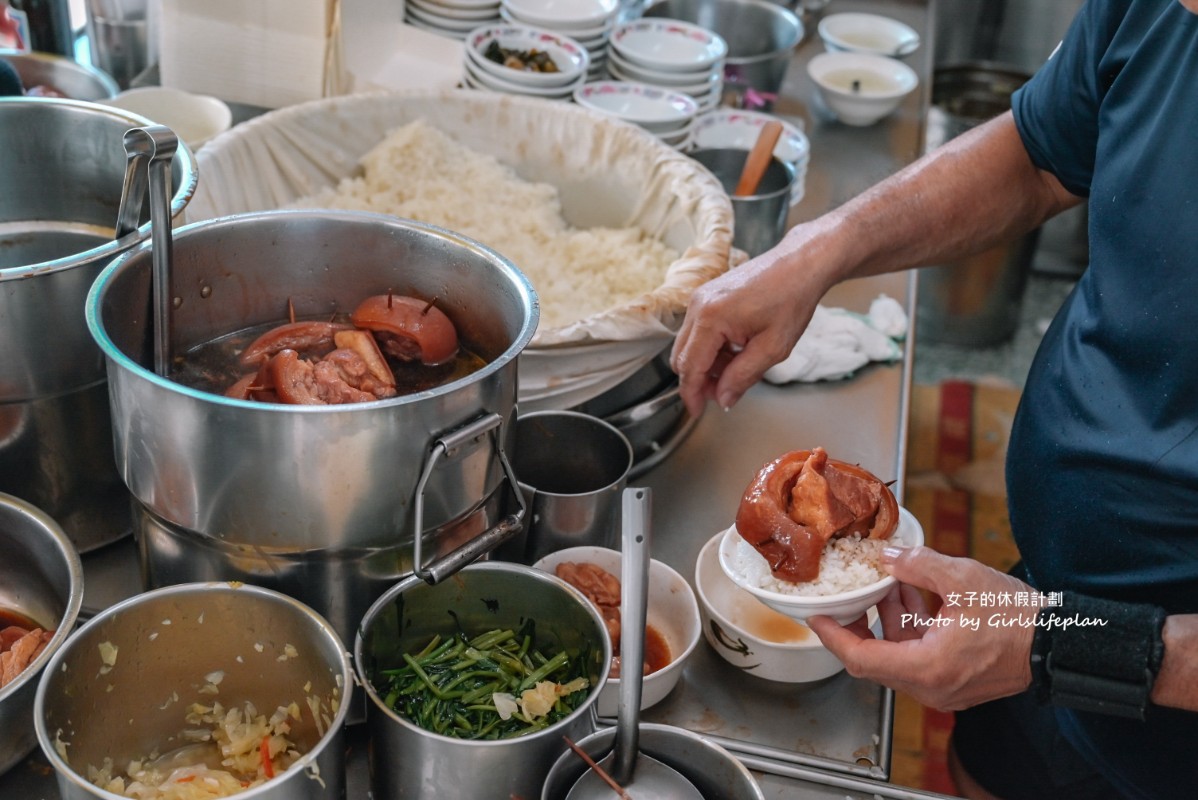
(195, 118)
(843, 607)
(449, 24)
(670, 45)
(485, 80)
(656, 77)
(577, 32)
(559, 14)
(697, 91)
(752, 636)
(867, 33)
(673, 611)
(638, 102)
(571, 58)
(481, 16)
(859, 88)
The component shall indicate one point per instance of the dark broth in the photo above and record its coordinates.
(213, 367)
(9, 618)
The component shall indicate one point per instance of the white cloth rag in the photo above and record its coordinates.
(838, 342)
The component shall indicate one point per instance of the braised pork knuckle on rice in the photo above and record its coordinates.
(799, 501)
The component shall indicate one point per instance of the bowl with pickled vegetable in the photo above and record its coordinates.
(472, 682)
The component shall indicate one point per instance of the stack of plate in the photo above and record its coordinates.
(672, 54)
(588, 22)
(667, 115)
(731, 127)
(483, 71)
(451, 18)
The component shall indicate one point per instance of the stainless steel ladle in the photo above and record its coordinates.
(148, 153)
(642, 777)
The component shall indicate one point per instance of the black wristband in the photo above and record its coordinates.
(1097, 655)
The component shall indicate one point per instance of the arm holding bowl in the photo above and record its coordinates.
(960, 656)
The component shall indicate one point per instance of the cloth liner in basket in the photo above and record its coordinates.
(607, 172)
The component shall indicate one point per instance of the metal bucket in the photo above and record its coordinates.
(123, 685)
(974, 302)
(323, 503)
(62, 164)
(407, 761)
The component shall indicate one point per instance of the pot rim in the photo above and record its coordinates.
(410, 582)
(305, 762)
(74, 601)
(179, 199)
(118, 358)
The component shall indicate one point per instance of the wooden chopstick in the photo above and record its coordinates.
(617, 788)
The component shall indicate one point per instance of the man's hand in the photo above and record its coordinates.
(742, 323)
(965, 654)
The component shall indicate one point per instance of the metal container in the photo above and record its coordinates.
(715, 772)
(975, 301)
(759, 218)
(407, 761)
(761, 39)
(572, 469)
(123, 684)
(41, 578)
(321, 502)
(62, 163)
(66, 75)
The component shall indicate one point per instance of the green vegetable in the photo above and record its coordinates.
(449, 685)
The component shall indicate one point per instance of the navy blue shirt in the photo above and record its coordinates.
(1102, 469)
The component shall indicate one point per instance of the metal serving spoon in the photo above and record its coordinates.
(643, 777)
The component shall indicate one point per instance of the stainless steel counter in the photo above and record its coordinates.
(830, 739)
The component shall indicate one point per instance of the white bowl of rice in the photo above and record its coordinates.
(851, 579)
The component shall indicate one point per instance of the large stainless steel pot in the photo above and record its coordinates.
(62, 166)
(407, 761)
(123, 685)
(320, 502)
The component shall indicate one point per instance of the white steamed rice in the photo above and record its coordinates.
(847, 563)
(420, 173)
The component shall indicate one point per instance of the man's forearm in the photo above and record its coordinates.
(976, 191)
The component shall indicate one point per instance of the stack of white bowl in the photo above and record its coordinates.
(588, 22)
(667, 115)
(673, 54)
(481, 72)
(450, 18)
(736, 128)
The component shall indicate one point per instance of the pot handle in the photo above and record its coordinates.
(507, 527)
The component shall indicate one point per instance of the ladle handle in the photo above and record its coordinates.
(636, 510)
(154, 146)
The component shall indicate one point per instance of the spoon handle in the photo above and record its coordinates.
(636, 507)
(759, 158)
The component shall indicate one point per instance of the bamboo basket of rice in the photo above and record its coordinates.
(614, 229)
